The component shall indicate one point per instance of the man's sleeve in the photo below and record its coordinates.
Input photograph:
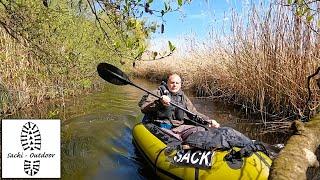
(151, 103)
(191, 108)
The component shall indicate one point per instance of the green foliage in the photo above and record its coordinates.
(306, 9)
(86, 83)
(53, 114)
(53, 51)
(52, 47)
(171, 46)
(309, 18)
(125, 16)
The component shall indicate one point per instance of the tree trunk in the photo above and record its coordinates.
(298, 154)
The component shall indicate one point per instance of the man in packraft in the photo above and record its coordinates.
(172, 119)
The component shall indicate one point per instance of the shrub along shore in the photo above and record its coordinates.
(262, 66)
(51, 51)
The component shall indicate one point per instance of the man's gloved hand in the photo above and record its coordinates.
(165, 100)
(213, 123)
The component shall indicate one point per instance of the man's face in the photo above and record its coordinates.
(174, 83)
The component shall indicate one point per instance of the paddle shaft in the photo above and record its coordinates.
(155, 95)
(173, 104)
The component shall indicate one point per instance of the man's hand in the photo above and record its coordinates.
(213, 123)
(165, 100)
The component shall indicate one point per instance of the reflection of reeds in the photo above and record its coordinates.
(76, 153)
(263, 65)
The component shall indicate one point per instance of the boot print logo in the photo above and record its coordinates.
(30, 137)
(31, 167)
(30, 141)
(30, 148)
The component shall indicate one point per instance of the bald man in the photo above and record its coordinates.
(168, 117)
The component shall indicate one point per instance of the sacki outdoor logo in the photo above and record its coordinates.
(30, 148)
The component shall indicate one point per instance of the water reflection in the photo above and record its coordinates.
(102, 134)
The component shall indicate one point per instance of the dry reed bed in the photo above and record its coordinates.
(25, 80)
(263, 65)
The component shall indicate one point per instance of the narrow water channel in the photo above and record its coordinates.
(96, 133)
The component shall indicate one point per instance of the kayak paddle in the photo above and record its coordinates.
(115, 76)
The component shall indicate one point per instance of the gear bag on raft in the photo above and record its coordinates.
(224, 138)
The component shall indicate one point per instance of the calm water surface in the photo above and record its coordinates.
(96, 132)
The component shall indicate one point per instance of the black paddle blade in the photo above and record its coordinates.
(112, 74)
